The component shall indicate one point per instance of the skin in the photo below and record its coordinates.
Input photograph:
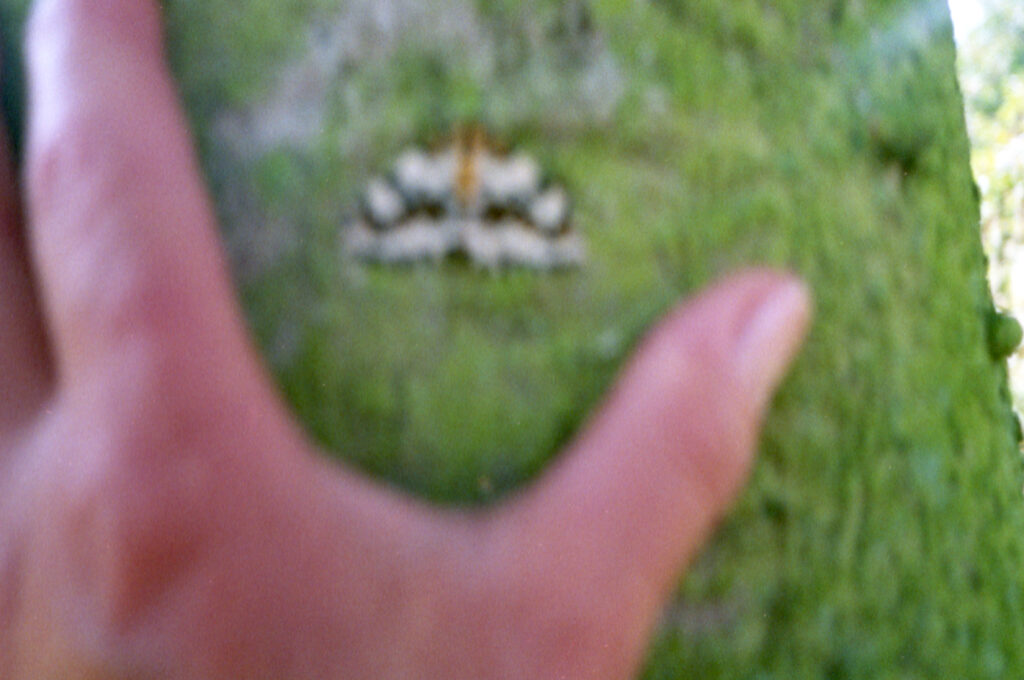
(162, 515)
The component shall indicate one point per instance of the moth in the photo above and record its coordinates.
(472, 198)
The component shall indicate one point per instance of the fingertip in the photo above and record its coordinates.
(668, 452)
(770, 336)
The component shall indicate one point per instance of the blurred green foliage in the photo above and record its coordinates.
(992, 74)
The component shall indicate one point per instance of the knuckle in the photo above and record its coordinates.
(719, 446)
(74, 165)
(76, 180)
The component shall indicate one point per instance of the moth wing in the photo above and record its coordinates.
(550, 211)
(383, 204)
(425, 178)
(509, 181)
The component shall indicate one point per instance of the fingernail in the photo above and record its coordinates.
(770, 337)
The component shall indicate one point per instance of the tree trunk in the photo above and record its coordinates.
(882, 533)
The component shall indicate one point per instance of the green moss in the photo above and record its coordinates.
(1003, 333)
(881, 534)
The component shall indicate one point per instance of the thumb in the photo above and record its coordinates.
(638, 492)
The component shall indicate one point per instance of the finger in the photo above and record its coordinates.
(130, 267)
(639, 491)
(24, 362)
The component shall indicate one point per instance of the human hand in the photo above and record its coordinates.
(161, 515)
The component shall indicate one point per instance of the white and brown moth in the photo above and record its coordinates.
(471, 198)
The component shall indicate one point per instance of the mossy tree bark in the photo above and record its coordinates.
(883, 532)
